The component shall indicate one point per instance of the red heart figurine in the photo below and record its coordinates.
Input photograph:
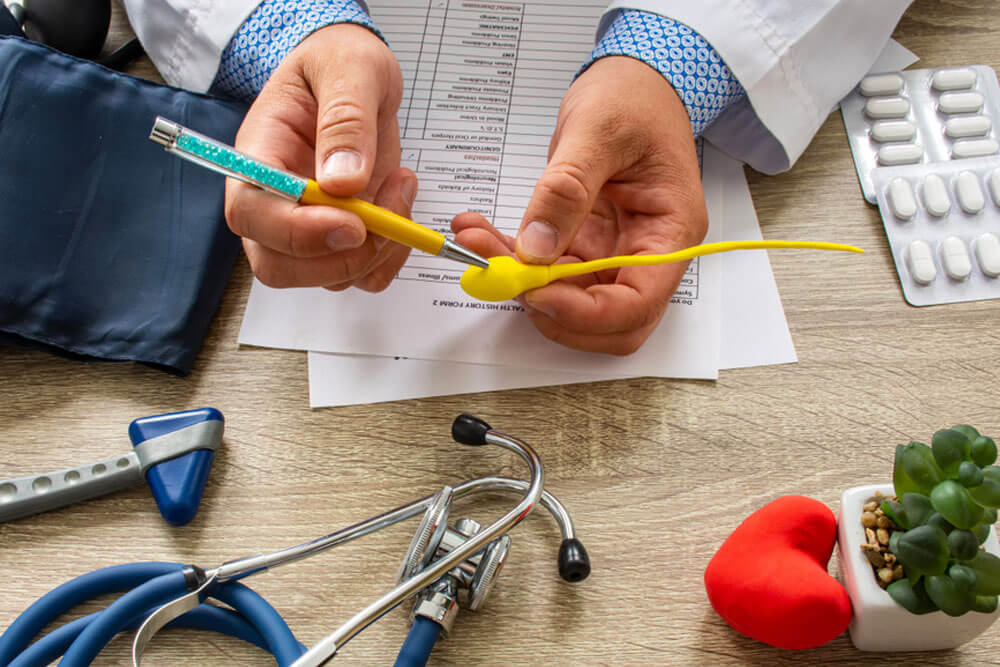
(768, 580)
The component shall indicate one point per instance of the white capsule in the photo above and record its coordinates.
(893, 130)
(920, 261)
(960, 102)
(970, 196)
(891, 154)
(953, 79)
(974, 147)
(988, 254)
(935, 195)
(901, 200)
(887, 107)
(881, 84)
(967, 126)
(955, 258)
(994, 182)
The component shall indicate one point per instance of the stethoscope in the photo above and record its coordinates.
(441, 561)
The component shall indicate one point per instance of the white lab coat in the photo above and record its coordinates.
(796, 59)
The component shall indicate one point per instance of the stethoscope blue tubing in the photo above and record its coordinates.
(149, 585)
(419, 642)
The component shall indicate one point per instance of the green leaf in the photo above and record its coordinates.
(949, 448)
(963, 544)
(941, 522)
(990, 516)
(985, 604)
(896, 513)
(901, 481)
(982, 531)
(987, 567)
(945, 593)
(966, 430)
(984, 451)
(992, 472)
(894, 541)
(911, 598)
(920, 466)
(918, 509)
(987, 494)
(955, 504)
(969, 474)
(923, 550)
(963, 576)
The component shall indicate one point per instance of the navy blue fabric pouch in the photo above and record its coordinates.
(110, 248)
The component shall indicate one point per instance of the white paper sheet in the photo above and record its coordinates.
(894, 56)
(485, 82)
(754, 329)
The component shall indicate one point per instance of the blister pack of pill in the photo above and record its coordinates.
(921, 116)
(944, 229)
(927, 153)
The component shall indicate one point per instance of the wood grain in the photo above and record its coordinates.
(656, 472)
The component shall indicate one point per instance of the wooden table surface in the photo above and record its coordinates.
(656, 472)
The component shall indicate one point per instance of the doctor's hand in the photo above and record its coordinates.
(622, 179)
(328, 112)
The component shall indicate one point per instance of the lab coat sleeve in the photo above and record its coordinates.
(795, 60)
(185, 38)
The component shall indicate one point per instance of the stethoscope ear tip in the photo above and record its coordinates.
(574, 563)
(469, 430)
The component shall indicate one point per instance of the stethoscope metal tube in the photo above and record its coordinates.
(243, 567)
(327, 647)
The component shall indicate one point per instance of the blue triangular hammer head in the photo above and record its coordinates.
(176, 451)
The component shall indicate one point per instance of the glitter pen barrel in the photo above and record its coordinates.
(226, 160)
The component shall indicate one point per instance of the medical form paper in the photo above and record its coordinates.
(484, 81)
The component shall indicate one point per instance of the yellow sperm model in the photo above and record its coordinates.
(506, 277)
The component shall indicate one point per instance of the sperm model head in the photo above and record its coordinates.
(504, 279)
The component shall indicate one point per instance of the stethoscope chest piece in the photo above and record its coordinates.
(429, 534)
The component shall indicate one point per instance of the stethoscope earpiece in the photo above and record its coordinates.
(574, 563)
(469, 430)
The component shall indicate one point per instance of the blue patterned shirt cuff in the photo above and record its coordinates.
(682, 56)
(270, 33)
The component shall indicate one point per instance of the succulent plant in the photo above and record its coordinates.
(947, 497)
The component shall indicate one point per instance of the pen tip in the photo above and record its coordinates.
(460, 253)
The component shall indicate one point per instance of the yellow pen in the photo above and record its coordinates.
(226, 160)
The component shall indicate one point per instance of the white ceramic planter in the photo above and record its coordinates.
(878, 623)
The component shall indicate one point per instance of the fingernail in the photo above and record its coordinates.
(342, 238)
(341, 164)
(543, 308)
(538, 239)
(409, 191)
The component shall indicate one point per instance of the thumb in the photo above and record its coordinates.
(580, 165)
(346, 133)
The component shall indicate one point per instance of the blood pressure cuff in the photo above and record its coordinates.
(110, 247)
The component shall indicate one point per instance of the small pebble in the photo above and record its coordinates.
(869, 520)
(883, 521)
(885, 575)
(875, 558)
(870, 536)
(883, 536)
(897, 572)
(870, 506)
